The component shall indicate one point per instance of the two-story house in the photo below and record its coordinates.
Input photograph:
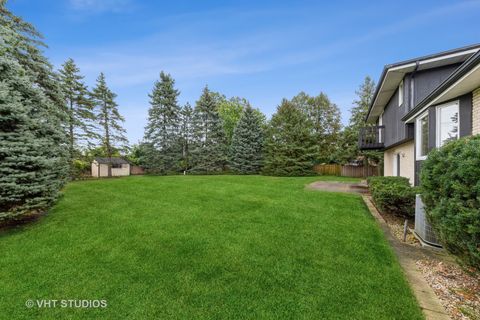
(420, 104)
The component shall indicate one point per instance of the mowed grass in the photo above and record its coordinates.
(204, 247)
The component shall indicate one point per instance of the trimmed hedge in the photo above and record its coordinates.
(393, 194)
(450, 180)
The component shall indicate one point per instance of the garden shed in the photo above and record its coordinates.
(120, 167)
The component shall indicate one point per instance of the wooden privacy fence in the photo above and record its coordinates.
(134, 170)
(328, 169)
(346, 170)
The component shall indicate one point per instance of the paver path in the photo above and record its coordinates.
(336, 186)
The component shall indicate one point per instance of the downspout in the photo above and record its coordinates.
(412, 86)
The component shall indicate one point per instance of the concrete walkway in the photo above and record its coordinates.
(407, 256)
(336, 186)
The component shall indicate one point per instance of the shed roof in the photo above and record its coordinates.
(113, 160)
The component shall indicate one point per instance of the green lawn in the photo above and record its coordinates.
(204, 247)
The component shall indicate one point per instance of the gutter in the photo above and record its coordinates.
(454, 77)
(415, 60)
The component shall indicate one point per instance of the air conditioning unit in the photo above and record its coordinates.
(422, 228)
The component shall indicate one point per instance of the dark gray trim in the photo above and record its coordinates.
(397, 64)
(468, 65)
(465, 110)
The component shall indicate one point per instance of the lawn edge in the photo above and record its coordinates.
(427, 299)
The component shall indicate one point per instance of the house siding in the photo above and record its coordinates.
(476, 111)
(395, 130)
(427, 80)
(416, 87)
(407, 161)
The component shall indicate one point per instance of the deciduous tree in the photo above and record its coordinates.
(324, 117)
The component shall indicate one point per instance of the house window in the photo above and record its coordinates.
(448, 123)
(422, 136)
(400, 94)
(117, 165)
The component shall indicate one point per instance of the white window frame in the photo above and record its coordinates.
(418, 136)
(401, 90)
(438, 142)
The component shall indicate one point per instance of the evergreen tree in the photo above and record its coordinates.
(26, 48)
(163, 128)
(187, 135)
(109, 119)
(210, 152)
(33, 156)
(290, 145)
(247, 144)
(230, 111)
(79, 108)
(348, 143)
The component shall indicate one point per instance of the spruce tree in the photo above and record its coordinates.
(33, 156)
(79, 108)
(289, 145)
(247, 144)
(163, 127)
(210, 152)
(187, 135)
(109, 119)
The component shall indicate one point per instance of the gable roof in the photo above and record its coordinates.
(111, 160)
(393, 74)
(463, 80)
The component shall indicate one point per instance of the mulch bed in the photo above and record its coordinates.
(396, 224)
(457, 288)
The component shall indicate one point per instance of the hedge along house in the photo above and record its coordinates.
(119, 167)
(421, 104)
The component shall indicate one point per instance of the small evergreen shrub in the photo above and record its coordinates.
(450, 181)
(393, 194)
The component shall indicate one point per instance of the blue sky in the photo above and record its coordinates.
(260, 50)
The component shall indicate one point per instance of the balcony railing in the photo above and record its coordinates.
(371, 138)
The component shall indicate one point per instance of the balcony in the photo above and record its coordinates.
(371, 138)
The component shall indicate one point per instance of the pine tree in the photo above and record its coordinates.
(33, 156)
(79, 108)
(289, 145)
(247, 144)
(210, 152)
(186, 135)
(163, 128)
(109, 119)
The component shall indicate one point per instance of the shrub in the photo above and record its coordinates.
(80, 168)
(393, 194)
(450, 180)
